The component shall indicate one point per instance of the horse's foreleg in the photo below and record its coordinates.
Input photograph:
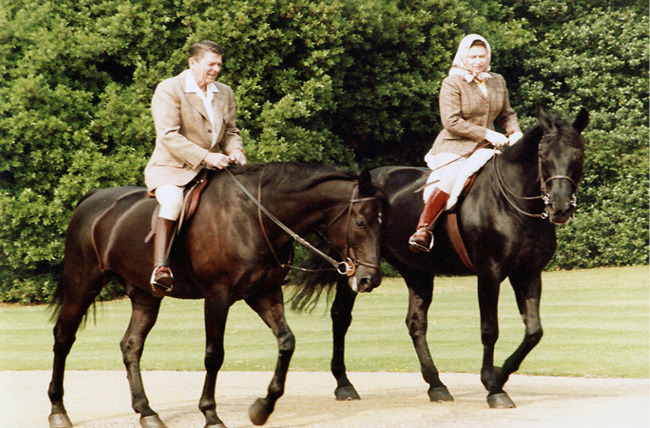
(528, 292)
(144, 312)
(216, 313)
(420, 287)
(270, 308)
(488, 297)
(76, 301)
(341, 313)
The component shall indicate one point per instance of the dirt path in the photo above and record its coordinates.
(97, 399)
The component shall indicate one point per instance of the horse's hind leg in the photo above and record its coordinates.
(528, 293)
(420, 287)
(78, 290)
(271, 309)
(144, 312)
(341, 314)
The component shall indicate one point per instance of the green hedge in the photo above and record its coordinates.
(346, 82)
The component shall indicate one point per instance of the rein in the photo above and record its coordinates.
(347, 267)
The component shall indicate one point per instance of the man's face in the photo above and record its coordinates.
(206, 68)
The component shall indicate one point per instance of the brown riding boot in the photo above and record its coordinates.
(161, 278)
(422, 239)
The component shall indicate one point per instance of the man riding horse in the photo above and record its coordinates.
(194, 116)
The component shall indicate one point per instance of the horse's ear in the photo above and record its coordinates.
(365, 183)
(582, 120)
(543, 119)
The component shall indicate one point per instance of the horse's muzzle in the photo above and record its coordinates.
(364, 283)
(560, 213)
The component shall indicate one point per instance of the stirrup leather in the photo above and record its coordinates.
(413, 243)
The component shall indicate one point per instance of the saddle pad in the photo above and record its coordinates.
(473, 164)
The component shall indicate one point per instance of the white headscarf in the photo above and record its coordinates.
(459, 66)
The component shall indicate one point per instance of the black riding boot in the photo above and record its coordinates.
(161, 278)
(422, 239)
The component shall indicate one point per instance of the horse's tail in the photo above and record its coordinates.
(56, 301)
(318, 277)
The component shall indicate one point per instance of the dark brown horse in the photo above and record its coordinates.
(222, 256)
(507, 222)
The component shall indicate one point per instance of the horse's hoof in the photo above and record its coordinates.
(346, 393)
(259, 412)
(59, 420)
(152, 421)
(500, 401)
(219, 425)
(440, 394)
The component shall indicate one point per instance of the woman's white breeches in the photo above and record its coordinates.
(447, 167)
(170, 199)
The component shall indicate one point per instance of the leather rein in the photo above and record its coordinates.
(509, 194)
(347, 267)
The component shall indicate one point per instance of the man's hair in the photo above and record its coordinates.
(197, 49)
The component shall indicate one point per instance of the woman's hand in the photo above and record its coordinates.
(496, 138)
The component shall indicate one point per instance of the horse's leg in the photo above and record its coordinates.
(420, 287)
(144, 312)
(270, 308)
(216, 313)
(488, 298)
(80, 288)
(528, 293)
(341, 314)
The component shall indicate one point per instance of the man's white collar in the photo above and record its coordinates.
(192, 86)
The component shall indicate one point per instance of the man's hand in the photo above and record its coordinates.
(238, 156)
(216, 160)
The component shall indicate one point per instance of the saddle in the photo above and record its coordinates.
(191, 198)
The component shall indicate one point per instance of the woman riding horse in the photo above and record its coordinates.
(471, 99)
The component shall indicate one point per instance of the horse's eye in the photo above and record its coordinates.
(361, 224)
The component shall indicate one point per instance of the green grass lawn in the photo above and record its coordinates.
(596, 324)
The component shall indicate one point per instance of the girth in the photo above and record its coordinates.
(454, 231)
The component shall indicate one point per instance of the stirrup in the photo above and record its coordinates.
(416, 246)
(161, 286)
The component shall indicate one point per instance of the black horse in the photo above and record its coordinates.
(504, 222)
(229, 251)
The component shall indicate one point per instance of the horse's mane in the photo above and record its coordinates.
(294, 176)
(526, 149)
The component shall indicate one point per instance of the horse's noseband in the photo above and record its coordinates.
(546, 197)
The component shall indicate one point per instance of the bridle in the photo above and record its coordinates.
(346, 267)
(545, 196)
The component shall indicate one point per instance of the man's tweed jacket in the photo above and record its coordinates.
(184, 132)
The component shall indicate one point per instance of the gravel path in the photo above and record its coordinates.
(100, 399)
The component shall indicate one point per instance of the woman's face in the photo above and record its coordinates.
(477, 59)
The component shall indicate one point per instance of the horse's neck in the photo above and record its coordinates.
(308, 209)
(522, 177)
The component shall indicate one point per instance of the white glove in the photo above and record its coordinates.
(514, 137)
(496, 138)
